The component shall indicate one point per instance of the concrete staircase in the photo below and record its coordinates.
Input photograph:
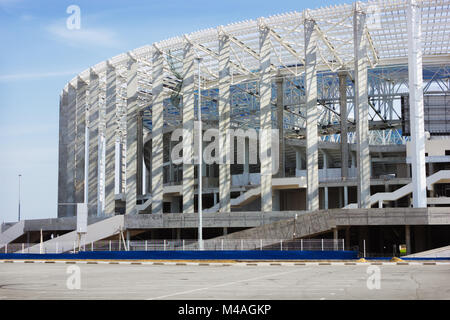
(442, 176)
(95, 232)
(12, 233)
(443, 252)
(243, 199)
(305, 224)
(254, 193)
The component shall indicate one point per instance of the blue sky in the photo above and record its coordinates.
(39, 55)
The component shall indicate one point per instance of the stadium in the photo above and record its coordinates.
(331, 123)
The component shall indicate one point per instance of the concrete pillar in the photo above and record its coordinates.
(312, 115)
(157, 132)
(71, 146)
(416, 104)
(80, 140)
(178, 233)
(408, 239)
(133, 161)
(118, 153)
(280, 125)
(335, 238)
(344, 128)
(265, 118)
(215, 198)
(325, 198)
(188, 129)
(63, 153)
(325, 164)
(361, 107)
(110, 140)
(140, 169)
(345, 196)
(225, 231)
(247, 156)
(224, 124)
(101, 194)
(94, 120)
(298, 159)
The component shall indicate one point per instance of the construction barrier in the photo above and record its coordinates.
(189, 255)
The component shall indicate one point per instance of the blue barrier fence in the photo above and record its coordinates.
(189, 255)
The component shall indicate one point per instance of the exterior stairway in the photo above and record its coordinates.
(442, 176)
(95, 232)
(12, 233)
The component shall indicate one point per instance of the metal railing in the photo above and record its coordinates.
(179, 245)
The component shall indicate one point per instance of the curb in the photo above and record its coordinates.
(228, 263)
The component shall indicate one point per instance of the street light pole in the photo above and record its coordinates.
(200, 161)
(19, 196)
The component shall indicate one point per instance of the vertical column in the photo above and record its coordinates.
(133, 161)
(416, 105)
(63, 152)
(188, 129)
(344, 129)
(157, 132)
(265, 118)
(280, 124)
(80, 140)
(298, 159)
(101, 149)
(141, 169)
(335, 238)
(408, 239)
(312, 115)
(325, 172)
(361, 107)
(94, 117)
(110, 139)
(71, 148)
(224, 123)
(247, 158)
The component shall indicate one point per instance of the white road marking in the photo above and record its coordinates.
(221, 285)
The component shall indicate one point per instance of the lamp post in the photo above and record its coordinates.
(19, 196)
(200, 160)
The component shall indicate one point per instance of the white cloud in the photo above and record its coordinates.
(38, 75)
(84, 36)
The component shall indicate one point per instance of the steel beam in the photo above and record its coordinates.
(71, 146)
(188, 128)
(280, 125)
(110, 140)
(63, 153)
(94, 118)
(133, 161)
(157, 132)
(265, 119)
(343, 119)
(416, 105)
(312, 116)
(80, 140)
(361, 107)
(224, 123)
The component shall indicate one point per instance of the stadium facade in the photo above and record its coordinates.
(343, 110)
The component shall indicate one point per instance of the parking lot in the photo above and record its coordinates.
(222, 281)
